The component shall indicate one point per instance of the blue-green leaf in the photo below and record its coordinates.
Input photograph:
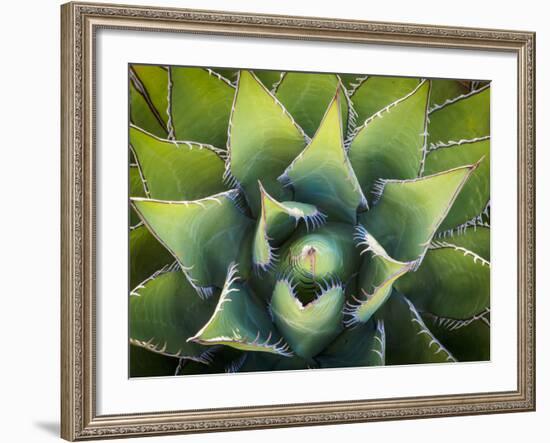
(322, 175)
(205, 235)
(408, 339)
(241, 321)
(410, 211)
(311, 327)
(263, 140)
(362, 345)
(391, 143)
(276, 222)
(164, 312)
(200, 104)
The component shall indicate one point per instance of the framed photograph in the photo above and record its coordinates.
(282, 221)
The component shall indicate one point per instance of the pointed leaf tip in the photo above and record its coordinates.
(263, 140)
(307, 95)
(409, 212)
(322, 175)
(200, 105)
(193, 232)
(276, 223)
(390, 144)
(377, 275)
(241, 321)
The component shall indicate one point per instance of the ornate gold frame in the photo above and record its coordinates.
(79, 420)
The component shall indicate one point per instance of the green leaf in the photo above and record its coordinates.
(410, 211)
(306, 96)
(227, 73)
(269, 78)
(204, 235)
(276, 222)
(351, 81)
(474, 196)
(147, 255)
(177, 171)
(322, 175)
(241, 321)
(476, 239)
(263, 140)
(468, 340)
(445, 89)
(377, 92)
(310, 258)
(465, 118)
(136, 190)
(363, 345)
(451, 282)
(145, 363)
(200, 103)
(141, 111)
(164, 312)
(408, 339)
(308, 329)
(377, 275)
(155, 84)
(478, 84)
(391, 143)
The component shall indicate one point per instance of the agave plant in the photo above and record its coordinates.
(302, 220)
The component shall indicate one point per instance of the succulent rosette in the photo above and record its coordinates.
(286, 220)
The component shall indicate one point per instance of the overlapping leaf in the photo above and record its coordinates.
(363, 345)
(328, 253)
(377, 275)
(390, 144)
(410, 211)
(142, 114)
(476, 192)
(374, 93)
(164, 312)
(147, 255)
(154, 84)
(451, 282)
(175, 170)
(270, 79)
(307, 328)
(468, 340)
(275, 223)
(322, 175)
(307, 96)
(241, 321)
(200, 104)
(136, 190)
(204, 235)
(263, 140)
(408, 339)
(444, 90)
(463, 118)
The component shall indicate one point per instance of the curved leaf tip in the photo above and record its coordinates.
(377, 275)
